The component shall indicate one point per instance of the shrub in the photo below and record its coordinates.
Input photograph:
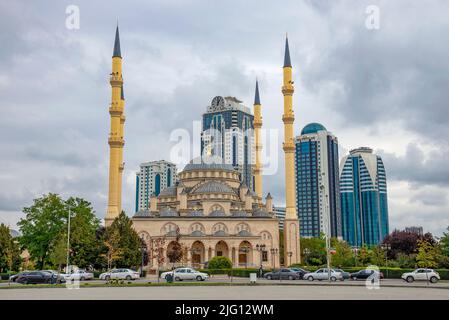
(220, 263)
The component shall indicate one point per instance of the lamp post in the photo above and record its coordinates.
(306, 253)
(386, 247)
(326, 229)
(260, 248)
(68, 241)
(142, 251)
(289, 253)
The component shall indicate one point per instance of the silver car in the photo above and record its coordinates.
(322, 274)
(127, 274)
(421, 274)
(79, 275)
(181, 274)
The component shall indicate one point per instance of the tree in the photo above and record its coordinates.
(175, 253)
(9, 250)
(220, 263)
(83, 227)
(444, 243)
(343, 256)
(113, 249)
(313, 250)
(364, 255)
(427, 256)
(406, 243)
(128, 241)
(58, 254)
(378, 256)
(43, 222)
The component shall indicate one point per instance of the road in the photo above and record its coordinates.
(266, 292)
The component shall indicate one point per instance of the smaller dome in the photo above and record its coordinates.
(195, 214)
(168, 212)
(213, 187)
(197, 233)
(220, 233)
(240, 214)
(244, 233)
(261, 213)
(217, 213)
(168, 192)
(143, 213)
(313, 128)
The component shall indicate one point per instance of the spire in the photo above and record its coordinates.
(256, 97)
(122, 95)
(117, 52)
(287, 62)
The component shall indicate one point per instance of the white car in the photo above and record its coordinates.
(322, 274)
(127, 274)
(185, 274)
(79, 275)
(421, 274)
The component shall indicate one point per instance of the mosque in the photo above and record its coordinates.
(209, 211)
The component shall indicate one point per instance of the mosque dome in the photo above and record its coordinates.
(213, 187)
(208, 163)
(312, 128)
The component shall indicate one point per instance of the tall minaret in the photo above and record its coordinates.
(115, 140)
(292, 253)
(257, 127)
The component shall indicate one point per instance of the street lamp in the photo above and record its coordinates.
(260, 248)
(68, 241)
(386, 247)
(306, 253)
(327, 230)
(142, 251)
(289, 258)
(273, 254)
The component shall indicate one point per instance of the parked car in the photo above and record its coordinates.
(181, 274)
(56, 274)
(287, 274)
(14, 277)
(322, 274)
(346, 275)
(127, 274)
(421, 275)
(79, 275)
(300, 271)
(365, 273)
(34, 277)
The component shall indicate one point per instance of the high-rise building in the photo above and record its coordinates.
(228, 133)
(417, 230)
(116, 134)
(153, 177)
(363, 195)
(279, 212)
(317, 187)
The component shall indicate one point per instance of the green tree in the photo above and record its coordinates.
(9, 250)
(43, 222)
(83, 227)
(364, 255)
(128, 243)
(220, 263)
(343, 256)
(427, 256)
(378, 256)
(444, 243)
(113, 250)
(313, 251)
(58, 254)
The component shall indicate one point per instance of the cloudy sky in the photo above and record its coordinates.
(385, 88)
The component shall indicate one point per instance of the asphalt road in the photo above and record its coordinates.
(267, 292)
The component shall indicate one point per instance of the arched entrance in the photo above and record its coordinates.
(198, 254)
(245, 254)
(221, 249)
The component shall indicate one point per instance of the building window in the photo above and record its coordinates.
(264, 256)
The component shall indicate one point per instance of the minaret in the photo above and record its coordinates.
(292, 253)
(257, 127)
(121, 163)
(115, 140)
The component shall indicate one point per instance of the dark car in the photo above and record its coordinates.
(35, 277)
(346, 275)
(14, 277)
(287, 274)
(364, 274)
(301, 272)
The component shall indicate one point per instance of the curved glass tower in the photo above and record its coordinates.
(363, 197)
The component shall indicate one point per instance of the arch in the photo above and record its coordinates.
(216, 207)
(220, 229)
(245, 254)
(265, 236)
(196, 229)
(145, 236)
(169, 229)
(242, 229)
(157, 184)
(198, 252)
(222, 249)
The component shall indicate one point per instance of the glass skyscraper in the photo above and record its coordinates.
(317, 186)
(228, 133)
(363, 194)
